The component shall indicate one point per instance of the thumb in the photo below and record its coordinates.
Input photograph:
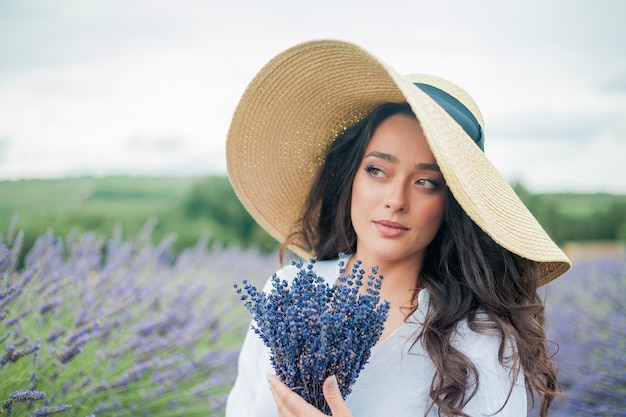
(333, 397)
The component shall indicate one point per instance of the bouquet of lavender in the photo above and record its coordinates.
(315, 330)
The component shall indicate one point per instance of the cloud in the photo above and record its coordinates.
(572, 112)
(552, 124)
(616, 84)
(132, 86)
(166, 144)
(4, 146)
(558, 164)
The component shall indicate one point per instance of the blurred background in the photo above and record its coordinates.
(115, 111)
(113, 119)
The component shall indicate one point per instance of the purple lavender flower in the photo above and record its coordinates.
(21, 396)
(26, 395)
(315, 330)
(122, 326)
(586, 316)
(49, 410)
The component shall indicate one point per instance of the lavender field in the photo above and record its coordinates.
(586, 310)
(90, 327)
(113, 327)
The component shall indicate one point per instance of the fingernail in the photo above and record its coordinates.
(332, 381)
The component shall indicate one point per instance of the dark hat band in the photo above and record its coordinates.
(457, 111)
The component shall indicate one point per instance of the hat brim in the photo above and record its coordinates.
(306, 96)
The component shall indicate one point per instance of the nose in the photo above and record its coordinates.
(396, 197)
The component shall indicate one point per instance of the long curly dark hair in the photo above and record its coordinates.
(466, 273)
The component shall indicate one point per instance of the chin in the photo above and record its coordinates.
(393, 254)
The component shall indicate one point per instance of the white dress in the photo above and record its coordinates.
(396, 380)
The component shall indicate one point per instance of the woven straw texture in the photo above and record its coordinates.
(304, 97)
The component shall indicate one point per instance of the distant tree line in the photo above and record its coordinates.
(195, 207)
(214, 197)
(569, 217)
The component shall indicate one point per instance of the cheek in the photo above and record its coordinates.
(356, 200)
(433, 212)
(362, 202)
(359, 192)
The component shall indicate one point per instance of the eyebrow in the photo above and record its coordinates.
(385, 156)
(427, 166)
(394, 160)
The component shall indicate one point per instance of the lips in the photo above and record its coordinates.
(389, 228)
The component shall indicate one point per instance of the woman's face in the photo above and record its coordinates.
(398, 194)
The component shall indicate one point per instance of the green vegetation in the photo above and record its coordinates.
(188, 207)
(571, 217)
(195, 207)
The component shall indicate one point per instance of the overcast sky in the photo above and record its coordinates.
(147, 87)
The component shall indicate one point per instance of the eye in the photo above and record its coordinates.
(428, 184)
(374, 172)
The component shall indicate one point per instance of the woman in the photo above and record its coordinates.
(332, 151)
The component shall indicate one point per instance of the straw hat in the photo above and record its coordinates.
(305, 96)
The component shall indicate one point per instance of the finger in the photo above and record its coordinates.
(283, 411)
(333, 397)
(288, 403)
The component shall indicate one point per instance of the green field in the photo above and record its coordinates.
(90, 203)
(125, 204)
(56, 199)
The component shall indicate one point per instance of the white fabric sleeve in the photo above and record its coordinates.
(250, 393)
(501, 391)
(242, 398)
